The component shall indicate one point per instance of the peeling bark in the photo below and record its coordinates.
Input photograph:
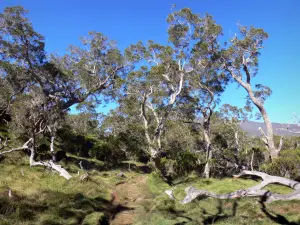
(255, 191)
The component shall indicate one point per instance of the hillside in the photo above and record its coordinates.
(280, 129)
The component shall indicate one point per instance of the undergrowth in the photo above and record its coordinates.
(40, 196)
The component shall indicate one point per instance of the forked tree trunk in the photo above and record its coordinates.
(268, 137)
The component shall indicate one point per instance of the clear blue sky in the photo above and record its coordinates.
(62, 22)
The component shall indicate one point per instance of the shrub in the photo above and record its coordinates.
(287, 164)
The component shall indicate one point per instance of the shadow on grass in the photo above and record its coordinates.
(277, 218)
(220, 215)
(56, 208)
(204, 215)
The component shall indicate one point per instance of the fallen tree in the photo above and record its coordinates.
(49, 164)
(255, 191)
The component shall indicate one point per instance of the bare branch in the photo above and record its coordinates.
(255, 191)
(25, 146)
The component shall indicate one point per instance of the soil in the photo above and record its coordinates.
(126, 197)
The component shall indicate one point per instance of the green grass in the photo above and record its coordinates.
(163, 211)
(43, 197)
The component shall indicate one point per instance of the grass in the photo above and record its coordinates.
(42, 197)
(163, 211)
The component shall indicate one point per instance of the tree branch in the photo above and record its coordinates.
(255, 191)
(25, 146)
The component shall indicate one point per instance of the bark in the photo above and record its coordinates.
(268, 137)
(255, 191)
(25, 146)
(154, 143)
(169, 107)
(49, 164)
(206, 132)
(207, 113)
(251, 162)
(151, 150)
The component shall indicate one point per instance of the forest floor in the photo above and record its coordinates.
(40, 196)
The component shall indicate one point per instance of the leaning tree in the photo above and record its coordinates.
(240, 61)
(44, 88)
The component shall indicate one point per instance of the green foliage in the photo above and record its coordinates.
(102, 148)
(107, 150)
(287, 164)
(180, 164)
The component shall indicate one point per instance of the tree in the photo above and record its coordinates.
(240, 61)
(205, 82)
(255, 191)
(44, 89)
(155, 87)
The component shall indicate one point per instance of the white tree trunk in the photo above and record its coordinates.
(206, 172)
(49, 164)
(255, 191)
(268, 137)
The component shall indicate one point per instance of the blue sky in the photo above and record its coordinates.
(62, 22)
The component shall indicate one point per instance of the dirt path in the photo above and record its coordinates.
(127, 196)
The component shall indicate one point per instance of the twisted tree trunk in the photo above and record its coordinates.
(255, 191)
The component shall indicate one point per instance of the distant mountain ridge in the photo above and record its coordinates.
(279, 129)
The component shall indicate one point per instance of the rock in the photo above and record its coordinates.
(84, 177)
(170, 194)
(121, 175)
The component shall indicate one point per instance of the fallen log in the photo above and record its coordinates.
(49, 164)
(255, 191)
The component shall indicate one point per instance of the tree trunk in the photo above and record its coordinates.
(206, 133)
(255, 191)
(268, 137)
